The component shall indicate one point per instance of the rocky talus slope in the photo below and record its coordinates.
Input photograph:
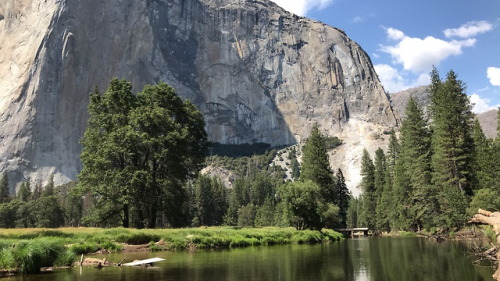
(257, 72)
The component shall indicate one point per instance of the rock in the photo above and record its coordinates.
(488, 121)
(257, 72)
(422, 95)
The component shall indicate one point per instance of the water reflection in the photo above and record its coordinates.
(356, 259)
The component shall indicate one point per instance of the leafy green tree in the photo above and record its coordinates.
(8, 213)
(316, 166)
(138, 151)
(453, 147)
(246, 215)
(265, 215)
(368, 217)
(302, 204)
(4, 188)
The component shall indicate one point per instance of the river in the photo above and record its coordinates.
(362, 259)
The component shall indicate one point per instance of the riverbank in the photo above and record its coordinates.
(29, 250)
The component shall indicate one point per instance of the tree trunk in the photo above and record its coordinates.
(126, 216)
(493, 219)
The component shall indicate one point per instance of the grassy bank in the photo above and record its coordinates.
(27, 250)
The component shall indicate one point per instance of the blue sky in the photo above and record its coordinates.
(405, 38)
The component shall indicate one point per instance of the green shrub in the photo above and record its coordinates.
(137, 238)
(6, 259)
(30, 256)
(84, 248)
(65, 259)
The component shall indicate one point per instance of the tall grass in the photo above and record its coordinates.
(30, 249)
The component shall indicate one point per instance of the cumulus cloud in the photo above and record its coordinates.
(419, 55)
(394, 81)
(493, 74)
(469, 29)
(301, 7)
(481, 104)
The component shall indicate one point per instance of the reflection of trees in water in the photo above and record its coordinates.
(413, 259)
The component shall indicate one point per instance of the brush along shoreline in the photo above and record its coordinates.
(24, 251)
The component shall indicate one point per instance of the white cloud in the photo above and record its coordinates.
(469, 29)
(301, 7)
(481, 104)
(419, 55)
(395, 34)
(357, 19)
(494, 75)
(394, 81)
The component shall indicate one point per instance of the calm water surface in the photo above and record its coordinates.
(361, 259)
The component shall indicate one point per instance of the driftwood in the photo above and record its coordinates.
(493, 219)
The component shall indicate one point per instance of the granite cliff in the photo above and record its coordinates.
(257, 72)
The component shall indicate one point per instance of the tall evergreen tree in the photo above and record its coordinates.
(4, 188)
(380, 178)
(452, 146)
(369, 198)
(343, 197)
(387, 200)
(24, 192)
(416, 156)
(316, 166)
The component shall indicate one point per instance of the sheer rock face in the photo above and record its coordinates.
(258, 73)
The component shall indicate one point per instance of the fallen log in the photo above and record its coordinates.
(493, 219)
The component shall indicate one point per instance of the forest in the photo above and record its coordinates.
(138, 172)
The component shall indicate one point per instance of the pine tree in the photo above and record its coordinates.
(343, 197)
(4, 189)
(24, 192)
(416, 151)
(48, 190)
(452, 146)
(316, 166)
(368, 188)
(387, 200)
(380, 177)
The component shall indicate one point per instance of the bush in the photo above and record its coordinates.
(30, 256)
(83, 248)
(137, 238)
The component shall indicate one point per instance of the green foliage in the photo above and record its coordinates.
(209, 201)
(239, 150)
(453, 148)
(316, 166)
(4, 189)
(343, 197)
(138, 151)
(246, 215)
(485, 198)
(24, 192)
(369, 198)
(305, 208)
(265, 215)
(30, 256)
